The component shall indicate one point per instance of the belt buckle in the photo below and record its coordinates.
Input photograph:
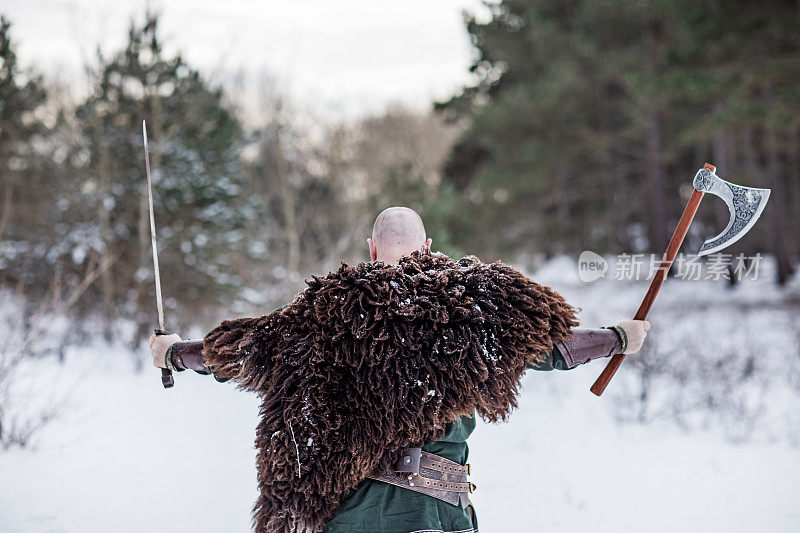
(472, 487)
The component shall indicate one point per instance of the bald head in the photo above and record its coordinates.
(397, 232)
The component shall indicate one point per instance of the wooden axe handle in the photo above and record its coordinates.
(672, 250)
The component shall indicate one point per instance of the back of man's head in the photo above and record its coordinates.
(397, 232)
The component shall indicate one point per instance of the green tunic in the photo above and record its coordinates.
(377, 506)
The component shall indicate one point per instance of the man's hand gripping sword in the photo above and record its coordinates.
(166, 374)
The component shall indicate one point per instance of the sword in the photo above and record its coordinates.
(166, 374)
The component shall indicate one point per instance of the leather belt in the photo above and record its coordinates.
(430, 474)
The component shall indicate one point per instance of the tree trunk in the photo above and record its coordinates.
(287, 200)
(793, 173)
(562, 200)
(107, 278)
(654, 170)
(779, 221)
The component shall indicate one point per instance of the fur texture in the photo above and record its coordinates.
(373, 358)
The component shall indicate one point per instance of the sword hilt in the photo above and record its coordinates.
(166, 374)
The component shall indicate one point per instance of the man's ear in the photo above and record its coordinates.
(373, 251)
(428, 243)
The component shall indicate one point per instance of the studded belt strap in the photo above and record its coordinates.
(431, 474)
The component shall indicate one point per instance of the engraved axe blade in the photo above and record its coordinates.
(744, 203)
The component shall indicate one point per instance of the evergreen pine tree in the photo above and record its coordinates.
(198, 179)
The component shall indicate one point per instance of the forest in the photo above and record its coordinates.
(576, 131)
(581, 130)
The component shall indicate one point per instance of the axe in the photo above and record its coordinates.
(745, 205)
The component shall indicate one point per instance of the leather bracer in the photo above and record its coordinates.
(189, 354)
(585, 344)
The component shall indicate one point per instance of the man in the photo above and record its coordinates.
(371, 378)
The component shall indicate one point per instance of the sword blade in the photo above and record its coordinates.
(159, 302)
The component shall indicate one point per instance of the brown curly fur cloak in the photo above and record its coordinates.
(374, 358)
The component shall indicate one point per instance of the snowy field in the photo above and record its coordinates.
(125, 455)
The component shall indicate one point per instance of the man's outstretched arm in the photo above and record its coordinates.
(587, 344)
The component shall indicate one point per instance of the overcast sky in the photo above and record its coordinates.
(342, 56)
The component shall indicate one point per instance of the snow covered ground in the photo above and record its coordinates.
(126, 455)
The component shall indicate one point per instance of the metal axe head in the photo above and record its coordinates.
(744, 203)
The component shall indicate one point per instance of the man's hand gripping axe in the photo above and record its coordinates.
(745, 205)
(166, 374)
